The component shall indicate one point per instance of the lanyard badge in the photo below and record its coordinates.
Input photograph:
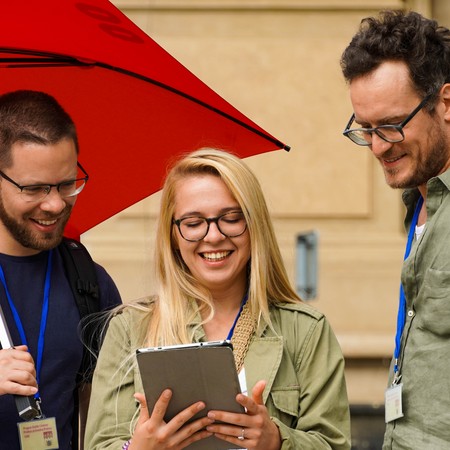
(36, 432)
(393, 395)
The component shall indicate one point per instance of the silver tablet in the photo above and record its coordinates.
(201, 371)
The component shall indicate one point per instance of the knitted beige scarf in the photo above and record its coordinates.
(243, 332)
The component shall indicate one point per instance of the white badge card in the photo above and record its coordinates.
(243, 381)
(38, 434)
(393, 403)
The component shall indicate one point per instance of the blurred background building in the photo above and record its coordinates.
(339, 226)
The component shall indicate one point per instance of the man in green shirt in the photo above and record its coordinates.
(397, 67)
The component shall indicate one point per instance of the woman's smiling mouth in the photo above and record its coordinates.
(215, 256)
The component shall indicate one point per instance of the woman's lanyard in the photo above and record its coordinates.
(40, 349)
(244, 301)
(401, 316)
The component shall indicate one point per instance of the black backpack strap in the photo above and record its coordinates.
(80, 270)
(82, 276)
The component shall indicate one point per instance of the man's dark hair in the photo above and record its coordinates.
(32, 116)
(422, 44)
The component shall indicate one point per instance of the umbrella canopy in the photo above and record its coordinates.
(134, 105)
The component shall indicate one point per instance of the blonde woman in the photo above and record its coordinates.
(221, 276)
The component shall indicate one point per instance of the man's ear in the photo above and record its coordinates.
(445, 98)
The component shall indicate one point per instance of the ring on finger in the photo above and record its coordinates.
(242, 436)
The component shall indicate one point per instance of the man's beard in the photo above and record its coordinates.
(34, 240)
(434, 163)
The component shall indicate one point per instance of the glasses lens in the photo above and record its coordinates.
(34, 193)
(389, 133)
(360, 136)
(39, 192)
(193, 228)
(232, 224)
(71, 188)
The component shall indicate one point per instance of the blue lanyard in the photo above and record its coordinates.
(44, 314)
(244, 301)
(401, 316)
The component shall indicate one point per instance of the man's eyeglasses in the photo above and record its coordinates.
(389, 133)
(194, 229)
(37, 192)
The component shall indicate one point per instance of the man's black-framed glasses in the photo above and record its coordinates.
(389, 133)
(195, 228)
(37, 192)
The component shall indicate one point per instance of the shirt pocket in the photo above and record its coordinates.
(433, 308)
(286, 403)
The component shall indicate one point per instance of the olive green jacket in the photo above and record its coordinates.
(302, 363)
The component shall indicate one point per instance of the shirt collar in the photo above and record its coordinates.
(436, 186)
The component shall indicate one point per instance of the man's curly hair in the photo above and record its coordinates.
(422, 44)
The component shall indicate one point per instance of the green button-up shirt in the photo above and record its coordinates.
(425, 346)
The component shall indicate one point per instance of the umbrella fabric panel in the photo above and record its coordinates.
(135, 106)
(128, 129)
(98, 32)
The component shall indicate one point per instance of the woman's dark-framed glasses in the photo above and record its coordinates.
(195, 228)
(389, 133)
(37, 192)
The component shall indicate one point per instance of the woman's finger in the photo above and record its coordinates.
(160, 408)
(143, 414)
(186, 415)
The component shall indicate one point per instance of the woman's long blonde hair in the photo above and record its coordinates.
(179, 293)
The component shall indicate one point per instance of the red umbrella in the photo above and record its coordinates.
(134, 105)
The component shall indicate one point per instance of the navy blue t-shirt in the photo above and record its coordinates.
(63, 350)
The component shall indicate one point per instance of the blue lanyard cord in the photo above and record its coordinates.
(244, 301)
(44, 314)
(401, 316)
